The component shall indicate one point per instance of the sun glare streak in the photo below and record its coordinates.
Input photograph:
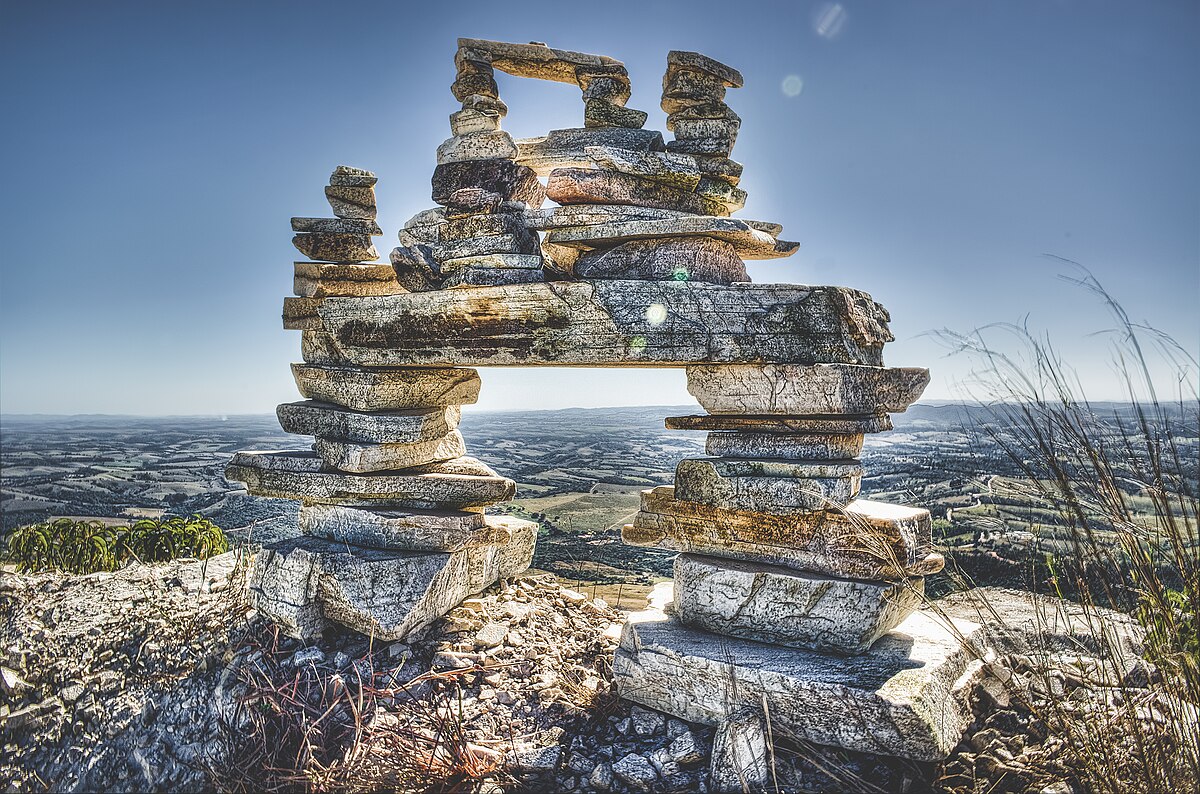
(829, 20)
(792, 85)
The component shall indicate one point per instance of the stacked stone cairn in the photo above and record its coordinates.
(394, 533)
(790, 591)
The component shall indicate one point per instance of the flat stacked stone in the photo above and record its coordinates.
(340, 246)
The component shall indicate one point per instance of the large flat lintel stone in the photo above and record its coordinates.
(785, 607)
(786, 425)
(535, 60)
(308, 584)
(632, 323)
(312, 418)
(749, 240)
(814, 389)
(865, 540)
(396, 389)
(904, 697)
(463, 482)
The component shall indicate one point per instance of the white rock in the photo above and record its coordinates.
(307, 583)
(411, 530)
(636, 772)
(740, 759)
(495, 145)
(767, 486)
(468, 121)
(401, 388)
(360, 458)
(786, 607)
(904, 697)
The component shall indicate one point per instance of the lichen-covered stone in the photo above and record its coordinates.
(397, 389)
(300, 475)
(777, 487)
(363, 458)
(308, 584)
(568, 148)
(674, 259)
(678, 60)
(795, 446)
(678, 171)
(312, 418)
(332, 247)
(602, 113)
(409, 530)
(788, 607)
(748, 241)
(865, 540)
(904, 697)
(595, 186)
(842, 425)
(336, 225)
(805, 390)
(477, 146)
(464, 277)
(650, 323)
(300, 314)
(481, 185)
(351, 201)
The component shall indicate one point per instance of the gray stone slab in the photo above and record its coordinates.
(325, 271)
(493, 145)
(807, 446)
(573, 215)
(568, 148)
(804, 390)
(776, 487)
(534, 60)
(786, 607)
(308, 584)
(636, 323)
(678, 171)
(331, 247)
(750, 242)
(502, 261)
(407, 530)
(464, 482)
(318, 347)
(866, 540)
(473, 276)
(313, 418)
(300, 314)
(349, 288)
(525, 242)
(465, 122)
(482, 185)
(719, 190)
(397, 389)
(673, 259)
(451, 228)
(359, 458)
(597, 186)
(336, 225)
(782, 424)
(602, 113)
(905, 697)
(741, 754)
(707, 147)
(351, 201)
(686, 60)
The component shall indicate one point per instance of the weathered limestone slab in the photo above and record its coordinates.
(351, 288)
(602, 113)
(750, 242)
(325, 271)
(905, 697)
(715, 189)
(477, 146)
(415, 267)
(707, 147)
(407, 530)
(332, 247)
(568, 148)
(720, 168)
(501, 261)
(533, 60)
(607, 84)
(488, 276)
(452, 228)
(466, 122)
(709, 109)
(607, 322)
(352, 177)
(572, 215)
(464, 482)
(785, 607)
(300, 314)
(865, 540)
(359, 458)
(808, 446)
(351, 201)
(802, 390)
(336, 225)
(312, 418)
(308, 584)
(686, 128)
(682, 60)
(481, 185)
(673, 259)
(524, 243)
(594, 186)
(397, 389)
(318, 348)
(777, 487)
(741, 758)
(841, 425)
(677, 171)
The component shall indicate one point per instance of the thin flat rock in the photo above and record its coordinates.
(678, 171)
(536, 61)
(573, 215)
(865, 540)
(905, 697)
(300, 314)
(358, 458)
(568, 148)
(805, 446)
(407, 530)
(750, 242)
(312, 418)
(595, 186)
(774, 487)
(817, 389)
(637, 323)
(336, 225)
(674, 259)
(396, 389)
(783, 424)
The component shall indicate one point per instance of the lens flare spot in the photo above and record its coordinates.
(680, 274)
(792, 85)
(656, 314)
(829, 20)
(637, 344)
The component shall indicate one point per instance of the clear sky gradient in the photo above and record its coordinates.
(935, 151)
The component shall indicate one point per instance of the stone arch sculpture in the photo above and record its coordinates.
(638, 265)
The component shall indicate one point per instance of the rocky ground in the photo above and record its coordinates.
(161, 677)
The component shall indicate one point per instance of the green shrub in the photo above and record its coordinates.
(89, 546)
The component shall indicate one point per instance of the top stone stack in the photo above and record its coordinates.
(345, 238)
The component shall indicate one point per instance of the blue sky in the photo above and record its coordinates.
(153, 153)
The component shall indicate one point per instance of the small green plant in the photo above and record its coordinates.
(88, 546)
